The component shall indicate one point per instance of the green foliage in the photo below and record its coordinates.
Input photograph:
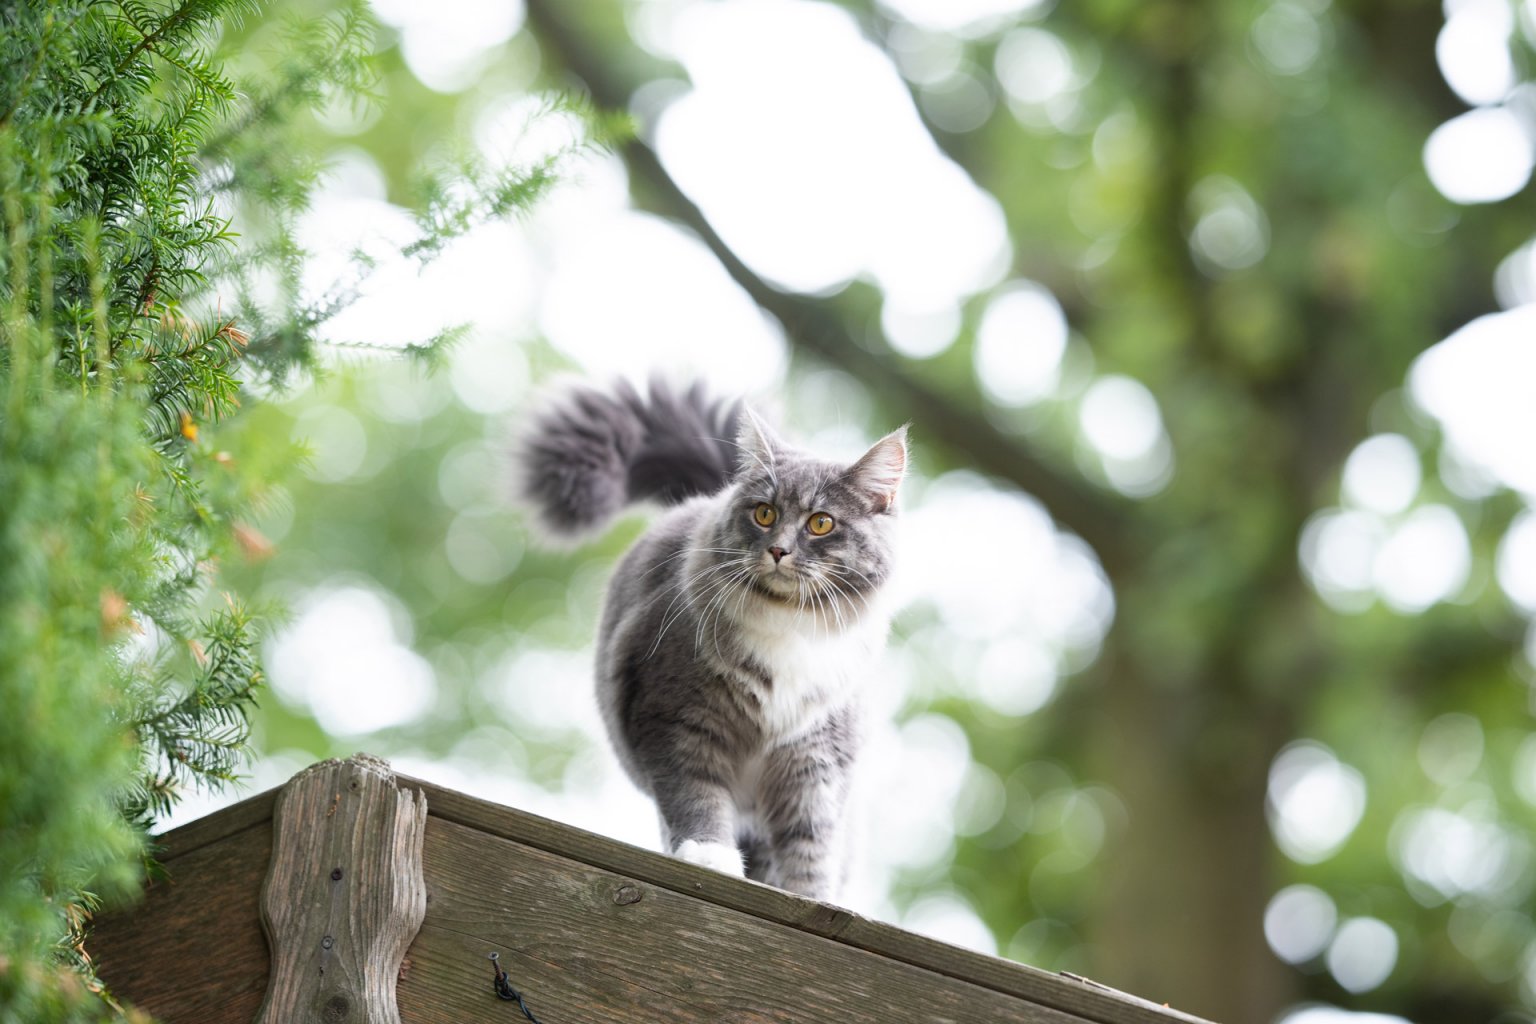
(128, 676)
(67, 463)
(152, 171)
(451, 200)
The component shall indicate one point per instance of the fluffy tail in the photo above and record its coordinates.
(593, 452)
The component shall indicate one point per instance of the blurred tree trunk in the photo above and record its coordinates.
(1180, 917)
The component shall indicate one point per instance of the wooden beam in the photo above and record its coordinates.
(585, 945)
(1031, 994)
(193, 950)
(344, 894)
(590, 930)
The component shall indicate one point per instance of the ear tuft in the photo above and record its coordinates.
(758, 446)
(879, 471)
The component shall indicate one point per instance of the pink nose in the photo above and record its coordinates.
(778, 554)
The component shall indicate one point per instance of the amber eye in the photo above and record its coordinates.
(765, 514)
(820, 524)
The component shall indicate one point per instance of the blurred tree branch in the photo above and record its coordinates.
(1099, 517)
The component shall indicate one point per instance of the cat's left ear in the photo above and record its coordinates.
(879, 471)
(756, 443)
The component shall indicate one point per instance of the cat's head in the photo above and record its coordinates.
(806, 533)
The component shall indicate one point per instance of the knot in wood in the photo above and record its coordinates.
(336, 875)
(336, 1009)
(624, 895)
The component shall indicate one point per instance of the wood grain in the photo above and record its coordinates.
(1079, 997)
(588, 928)
(193, 949)
(255, 810)
(588, 946)
(344, 895)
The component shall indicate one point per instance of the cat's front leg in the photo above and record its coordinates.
(698, 823)
(803, 794)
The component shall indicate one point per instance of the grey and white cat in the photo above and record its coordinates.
(739, 630)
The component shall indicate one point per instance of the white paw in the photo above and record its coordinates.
(722, 857)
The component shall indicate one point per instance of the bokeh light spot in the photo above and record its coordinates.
(1298, 923)
(1473, 50)
(948, 917)
(337, 442)
(1120, 418)
(1454, 853)
(1477, 383)
(1016, 676)
(1335, 1015)
(921, 333)
(346, 657)
(1426, 559)
(447, 43)
(666, 303)
(1231, 231)
(1382, 474)
(1516, 565)
(831, 175)
(1034, 66)
(1482, 156)
(961, 16)
(1288, 37)
(1451, 748)
(1363, 953)
(1315, 801)
(1019, 344)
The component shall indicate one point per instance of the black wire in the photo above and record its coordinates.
(505, 990)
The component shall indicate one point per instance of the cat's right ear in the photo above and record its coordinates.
(758, 445)
(879, 472)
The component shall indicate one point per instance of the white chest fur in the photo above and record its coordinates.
(813, 670)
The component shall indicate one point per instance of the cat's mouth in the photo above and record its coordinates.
(776, 587)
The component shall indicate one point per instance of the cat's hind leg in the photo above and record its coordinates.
(756, 851)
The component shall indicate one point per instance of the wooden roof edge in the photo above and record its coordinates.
(1082, 997)
(217, 825)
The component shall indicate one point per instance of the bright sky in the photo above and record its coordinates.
(799, 140)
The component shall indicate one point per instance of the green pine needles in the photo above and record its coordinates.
(125, 677)
(134, 320)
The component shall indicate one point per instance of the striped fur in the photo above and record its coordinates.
(729, 679)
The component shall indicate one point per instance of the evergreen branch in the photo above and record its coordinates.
(24, 88)
(431, 354)
(189, 14)
(471, 192)
(328, 54)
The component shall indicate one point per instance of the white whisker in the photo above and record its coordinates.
(687, 591)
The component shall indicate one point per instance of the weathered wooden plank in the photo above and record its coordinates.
(344, 895)
(591, 929)
(213, 827)
(1082, 999)
(588, 946)
(193, 949)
